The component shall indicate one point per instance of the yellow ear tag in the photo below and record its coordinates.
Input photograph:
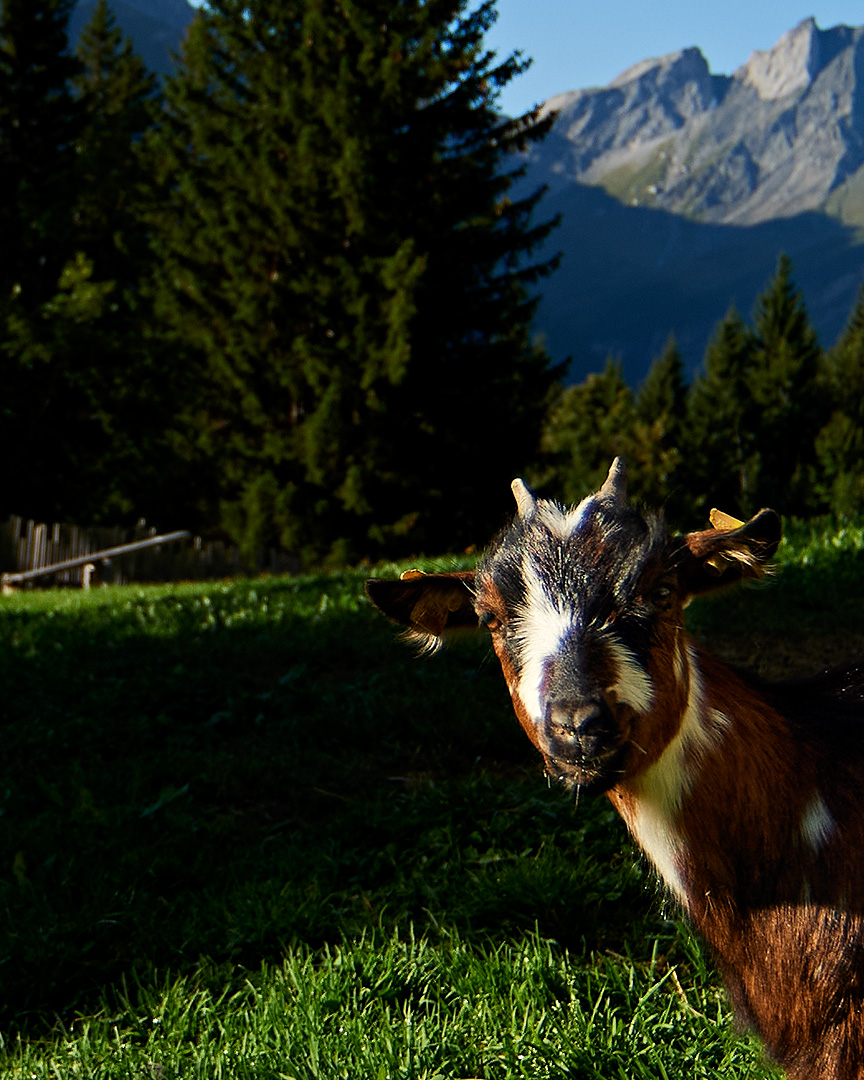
(723, 521)
(718, 563)
(408, 575)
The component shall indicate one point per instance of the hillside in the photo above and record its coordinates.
(630, 276)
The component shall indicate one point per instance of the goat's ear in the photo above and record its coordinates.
(723, 555)
(428, 605)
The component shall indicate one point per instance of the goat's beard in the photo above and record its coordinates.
(591, 776)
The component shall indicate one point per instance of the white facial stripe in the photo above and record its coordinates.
(817, 824)
(562, 523)
(633, 684)
(540, 627)
(542, 622)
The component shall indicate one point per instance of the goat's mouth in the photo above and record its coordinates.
(593, 775)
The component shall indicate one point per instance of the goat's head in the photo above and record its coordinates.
(584, 606)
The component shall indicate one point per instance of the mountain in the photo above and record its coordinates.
(773, 140)
(156, 27)
(679, 188)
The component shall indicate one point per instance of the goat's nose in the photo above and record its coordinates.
(583, 729)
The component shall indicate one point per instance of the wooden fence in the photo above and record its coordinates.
(28, 545)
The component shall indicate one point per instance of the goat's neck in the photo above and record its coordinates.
(730, 798)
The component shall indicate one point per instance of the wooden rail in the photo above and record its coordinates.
(93, 557)
(28, 546)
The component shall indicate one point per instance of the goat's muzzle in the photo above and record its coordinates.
(582, 744)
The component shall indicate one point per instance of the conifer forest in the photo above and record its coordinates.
(286, 297)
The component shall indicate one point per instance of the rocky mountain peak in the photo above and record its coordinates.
(790, 65)
(680, 82)
(649, 101)
(795, 61)
(676, 67)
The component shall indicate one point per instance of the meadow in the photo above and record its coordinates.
(247, 833)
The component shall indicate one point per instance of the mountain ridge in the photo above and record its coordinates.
(700, 181)
(774, 139)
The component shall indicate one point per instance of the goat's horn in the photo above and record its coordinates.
(615, 485)
(525, 503)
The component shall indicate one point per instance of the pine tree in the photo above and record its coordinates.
(784, 383)
(720, 457)
(102, 317)
(840, 443)
(344, 265)
(116, 93)
(39, 128)
(655, 457)
(587, 426)
(40, 124)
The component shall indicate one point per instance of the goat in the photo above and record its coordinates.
(747, 799)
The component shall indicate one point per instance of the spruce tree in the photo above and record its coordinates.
(40, 124)
(660, 406)
(39, 128)
(784, 383)
(840, 443)
(720, 461)
(471, 337)
(81, 396)
(587, 426)
(116, 93)
(663, 392)
(344, 268)
(102, 317)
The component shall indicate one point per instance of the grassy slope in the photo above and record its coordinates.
(246, 833)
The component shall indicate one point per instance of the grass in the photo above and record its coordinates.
(398, 1006)
(244, 832)
(807, 615)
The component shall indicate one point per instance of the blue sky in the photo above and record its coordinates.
(580, 43)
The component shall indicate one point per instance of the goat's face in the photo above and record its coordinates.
(585, 609)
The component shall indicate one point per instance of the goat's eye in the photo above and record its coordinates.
(490, 620)
(661, 594)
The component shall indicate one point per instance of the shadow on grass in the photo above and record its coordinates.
(219, 772)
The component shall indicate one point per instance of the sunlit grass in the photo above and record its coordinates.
(397, 1006)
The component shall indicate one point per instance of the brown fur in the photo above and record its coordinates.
(784, 920)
